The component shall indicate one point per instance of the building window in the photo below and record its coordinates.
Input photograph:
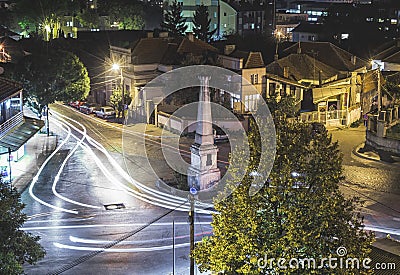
(215, 14)
(209, 160)
(254, 78)
(224, 13)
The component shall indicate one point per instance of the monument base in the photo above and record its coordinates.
(202, 180)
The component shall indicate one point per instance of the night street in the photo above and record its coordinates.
(74, 220)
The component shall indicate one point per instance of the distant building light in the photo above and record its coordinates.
(393, 21)
(380, 20)
(345, 36)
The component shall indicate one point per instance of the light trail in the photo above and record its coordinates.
(77, 226)
(92, 241)
(120, 250)
(36, 177)
(57, 177)
(162, 199)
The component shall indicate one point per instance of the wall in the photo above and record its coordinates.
(383, 143)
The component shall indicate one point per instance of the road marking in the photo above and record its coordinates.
(104, 225)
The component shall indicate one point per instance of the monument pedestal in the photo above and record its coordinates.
(203, 172)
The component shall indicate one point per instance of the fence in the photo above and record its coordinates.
(10, 123)
(333, 118)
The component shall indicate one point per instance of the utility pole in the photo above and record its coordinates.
(123, 96)
(173, 247)
(191, 221)
(9, 164)
(379, 89)
(47, 120)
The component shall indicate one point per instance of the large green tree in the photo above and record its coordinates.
(201, 22)
(57, 75)
(174, 22)
(299, 213)
(16, 246)
(128, 13)
(116, 100)
(44, 17)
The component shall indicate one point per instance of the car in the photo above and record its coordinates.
(105, 112)
(76, 104)
(89, 108)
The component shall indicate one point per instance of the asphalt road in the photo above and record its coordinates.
(67, 208)
(66, 204)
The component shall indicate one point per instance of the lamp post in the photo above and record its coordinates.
(378, 70)
(117, 67)
(278, 39)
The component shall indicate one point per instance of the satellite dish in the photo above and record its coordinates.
(1, 70)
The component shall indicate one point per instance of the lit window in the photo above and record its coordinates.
(393, 21)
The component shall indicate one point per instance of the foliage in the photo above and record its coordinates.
(393, 90)
(16, 246)
(174, 22)
(57, 75)
(116, 100)
(201, 22)
(38, 13)
(128, 13)
(299, 213)
(89, 18)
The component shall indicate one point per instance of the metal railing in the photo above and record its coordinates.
(10, 124)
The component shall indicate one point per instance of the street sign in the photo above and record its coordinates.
(193, 190)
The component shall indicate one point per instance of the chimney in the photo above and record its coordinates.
(229, 49)
(320, 78)
(190, 36)
(286, 72)
(353, 59)
(150, 35)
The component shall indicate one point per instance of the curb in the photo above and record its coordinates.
(378, 160)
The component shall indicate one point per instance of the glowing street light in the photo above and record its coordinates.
(117, 67)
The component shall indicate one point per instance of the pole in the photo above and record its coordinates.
(123, 97)
(47, 120)
(9, 163)
(379, 90)
(173, 247)
(191, 220)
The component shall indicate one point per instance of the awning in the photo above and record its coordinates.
(321, 94)
(20, 134)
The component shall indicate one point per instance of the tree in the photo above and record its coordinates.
(45, 78)
(43, 17)
(174, 22)
(201, 22)
(116, 100)
(16, 246)
(128, 13)
(299, 213)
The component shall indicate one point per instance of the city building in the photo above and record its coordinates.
(15, 128)
(250, 84)
(143, 61)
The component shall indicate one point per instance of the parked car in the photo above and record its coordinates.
(105, 112)
(89, 108)
(76, 104)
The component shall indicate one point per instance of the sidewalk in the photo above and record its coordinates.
(37, 149)
(349, 136)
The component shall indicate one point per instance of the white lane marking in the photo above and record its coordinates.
(104, 225)
(60, 220)
(120, 250)
(386, 230)
(36, 177)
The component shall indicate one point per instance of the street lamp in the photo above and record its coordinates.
(117, 67)
(278, 35)
(378, 70)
